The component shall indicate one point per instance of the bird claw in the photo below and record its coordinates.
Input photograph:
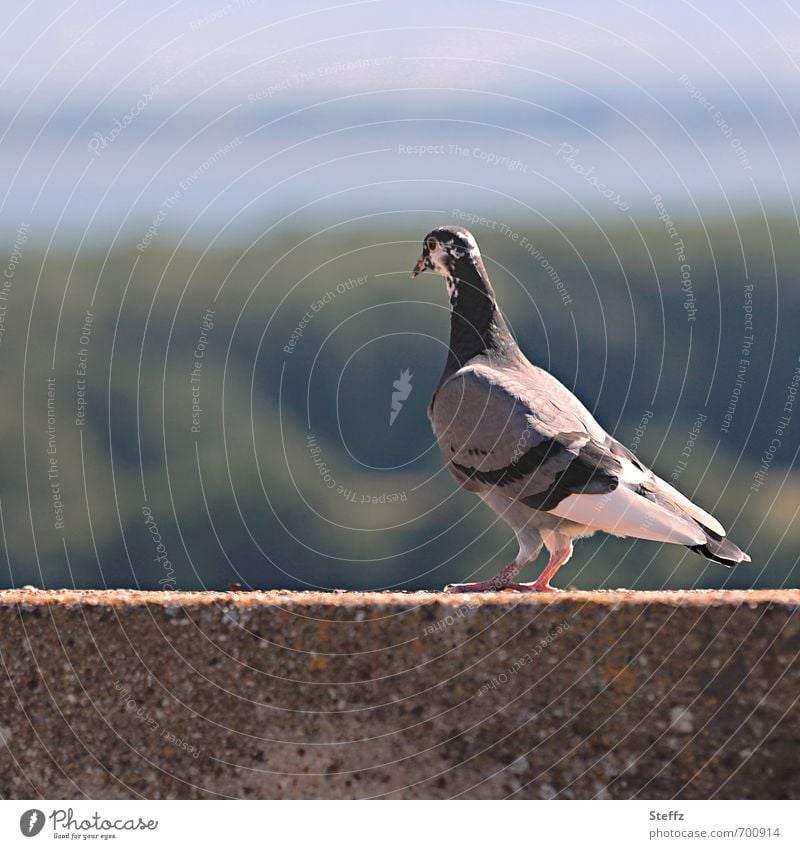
(535, 587)
(479, 587)
(489, 586)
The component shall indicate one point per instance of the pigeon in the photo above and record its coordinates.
(514, 435)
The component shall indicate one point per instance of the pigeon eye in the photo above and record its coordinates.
(431, 244)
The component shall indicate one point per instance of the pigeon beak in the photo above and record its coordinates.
(422, 264)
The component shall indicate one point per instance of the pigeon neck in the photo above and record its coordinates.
(476, 324)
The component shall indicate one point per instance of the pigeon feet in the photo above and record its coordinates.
(535, 587)
(503, 581)
(478, 587)
(500, 582)
(492, 587)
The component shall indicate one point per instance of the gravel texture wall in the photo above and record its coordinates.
(123, 694)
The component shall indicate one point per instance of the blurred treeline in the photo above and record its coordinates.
(297, 479)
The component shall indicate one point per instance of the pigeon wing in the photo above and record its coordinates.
(522, 434)
(521, 440)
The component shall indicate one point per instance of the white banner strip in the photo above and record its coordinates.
(388, 824)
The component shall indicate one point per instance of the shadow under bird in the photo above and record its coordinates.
(515, 436)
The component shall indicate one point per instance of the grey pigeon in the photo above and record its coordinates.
(515, 436)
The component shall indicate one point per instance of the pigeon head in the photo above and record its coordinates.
(476, 324)
(453, 252)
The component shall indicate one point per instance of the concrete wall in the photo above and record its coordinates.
(621, 695)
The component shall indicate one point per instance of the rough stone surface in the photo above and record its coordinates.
(580, 695)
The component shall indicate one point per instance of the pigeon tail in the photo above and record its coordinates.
(720, 549)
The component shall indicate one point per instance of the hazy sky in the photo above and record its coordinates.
(106, 108)
(90, 50)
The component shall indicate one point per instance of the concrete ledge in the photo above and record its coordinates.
(193, 695)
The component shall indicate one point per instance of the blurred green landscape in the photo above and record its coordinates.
(287, 473)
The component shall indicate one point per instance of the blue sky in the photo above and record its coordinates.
(696, 101)
(90, 50)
